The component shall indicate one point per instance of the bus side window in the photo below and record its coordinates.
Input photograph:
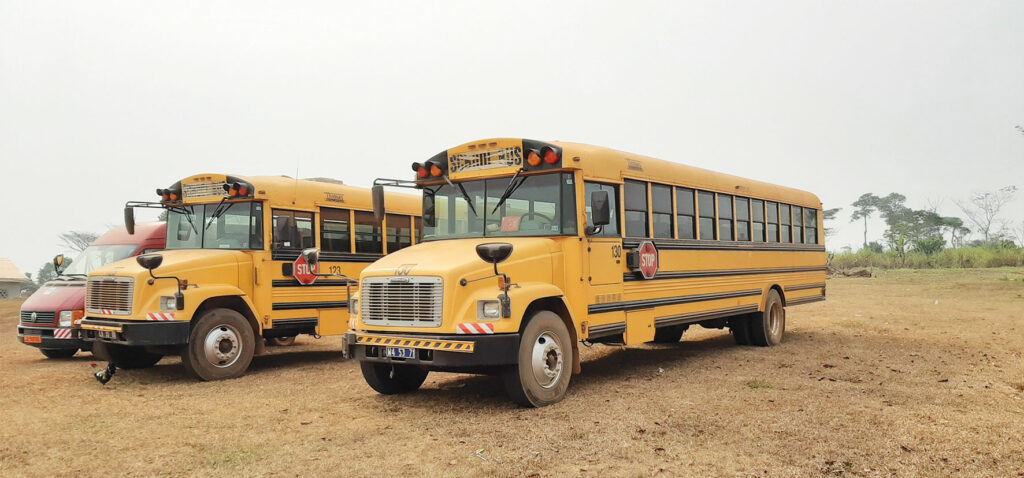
(742, 219)
(772, 228)
(784, 228)
(661, 208)
(725, 217)
(757, 211)
(399, 232)
(292, 230)
(811, 225)
(798, 225)
(685, 213)
(612, 229)
(335, 230)
(368, 237)
(706, 206)
(636, 208)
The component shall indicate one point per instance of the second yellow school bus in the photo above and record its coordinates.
(530, 248)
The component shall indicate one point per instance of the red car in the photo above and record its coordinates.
(48, 316)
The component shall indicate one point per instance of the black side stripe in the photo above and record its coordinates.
(695, 245)
(318, 283)
(291, 323)
(805, 300)
(340, 304)
(605, 330)
(706, 315)
(327, 256)
(806, 287)
(684, 299)
(635, 276)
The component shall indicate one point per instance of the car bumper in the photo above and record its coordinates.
(44, 337)
(131, 332)
(439, 351)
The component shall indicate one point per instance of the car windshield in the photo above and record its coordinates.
(96, 256)
(536, 205)
(234, 225)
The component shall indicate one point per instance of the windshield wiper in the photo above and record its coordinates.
(188, 213)
(218, 212)
(512, 186)
(465, 195)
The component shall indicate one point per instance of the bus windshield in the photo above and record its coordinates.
(534, 205)
(234, 225)
(96, 256)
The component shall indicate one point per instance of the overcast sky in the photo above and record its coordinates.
(103, 102)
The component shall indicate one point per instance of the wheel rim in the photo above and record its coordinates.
(547, 360)
(775, 319)
(223, 346)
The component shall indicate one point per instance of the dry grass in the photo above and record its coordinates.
(912, 373)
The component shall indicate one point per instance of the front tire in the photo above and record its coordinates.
(59, 353)
(767, 327)
(220, 346)
(544, 363)
(391, 379)
(125, 356)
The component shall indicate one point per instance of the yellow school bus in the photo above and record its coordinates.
(227, 279)
(530, 248)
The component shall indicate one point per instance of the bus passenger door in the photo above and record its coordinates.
(292, 305)
(604, 262)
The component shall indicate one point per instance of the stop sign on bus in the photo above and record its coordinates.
(304, 272)
(647, 259)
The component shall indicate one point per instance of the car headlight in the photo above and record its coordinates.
(66, 317)
(488, 310)
(353, 306)
(167, 303)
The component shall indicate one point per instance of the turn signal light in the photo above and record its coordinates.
(163, 193)
(550, 156)
(533, 159)
(434, 170)
(421, 173)
(501, 282)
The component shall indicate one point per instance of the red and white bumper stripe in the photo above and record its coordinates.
(62, 333)
(160, 316)
(469, 328)
(106, 312)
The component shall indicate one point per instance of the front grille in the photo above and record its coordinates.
(401, 301)
(45, 318)
(202, 190)
(109, 295)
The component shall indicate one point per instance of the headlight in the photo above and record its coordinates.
(488, 310)
(167, 303)
(353, 306)
(66, 317)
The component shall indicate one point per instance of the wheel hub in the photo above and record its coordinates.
(547, 360)
(222, 346)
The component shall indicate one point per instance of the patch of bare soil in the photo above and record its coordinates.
(909, 373)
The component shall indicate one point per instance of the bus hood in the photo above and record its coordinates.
(183, 263)
(456, 259)
(57, 295)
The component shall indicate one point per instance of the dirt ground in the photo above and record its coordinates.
(911, 373)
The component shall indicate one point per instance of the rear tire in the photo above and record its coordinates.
(544, 363)
(281, 341)
(740, 327)
(391, 379)
(59, 353)
(669, 335)
(767, 327)
(125, 356)
(220, 346)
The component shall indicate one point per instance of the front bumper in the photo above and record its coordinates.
(134, 332)
(46, 337)
(440, 351)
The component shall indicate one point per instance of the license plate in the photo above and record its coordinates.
(33, 339)
(400, 352)
(106, 334)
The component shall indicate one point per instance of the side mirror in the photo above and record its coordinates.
(129, 219)
(311, 255)
(149, 261)
(428, 210)
(494, 252)
(377, 193)
(58, 261)
(599, 208)
(184, 231)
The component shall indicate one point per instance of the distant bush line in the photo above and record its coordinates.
(958, 258)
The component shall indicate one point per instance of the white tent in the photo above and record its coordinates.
(11, 280)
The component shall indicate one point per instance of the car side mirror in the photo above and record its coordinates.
(494, 252)
(311, 255)
(600, 211)
(129, 219)
(377, 194)
(58, 261)
(149, 261)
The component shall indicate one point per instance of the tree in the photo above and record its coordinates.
(77, 241)
(866, 205)
(830, 215)
(28, 287)
(983, 208)
(45, 274)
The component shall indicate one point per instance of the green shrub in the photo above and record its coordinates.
(967, 257)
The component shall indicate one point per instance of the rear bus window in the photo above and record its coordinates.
(706, 206)
(636, 208)
(661, 209)
(798, 224)
(685, 214)
(811, 225)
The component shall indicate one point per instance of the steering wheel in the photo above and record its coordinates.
(550, 220)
